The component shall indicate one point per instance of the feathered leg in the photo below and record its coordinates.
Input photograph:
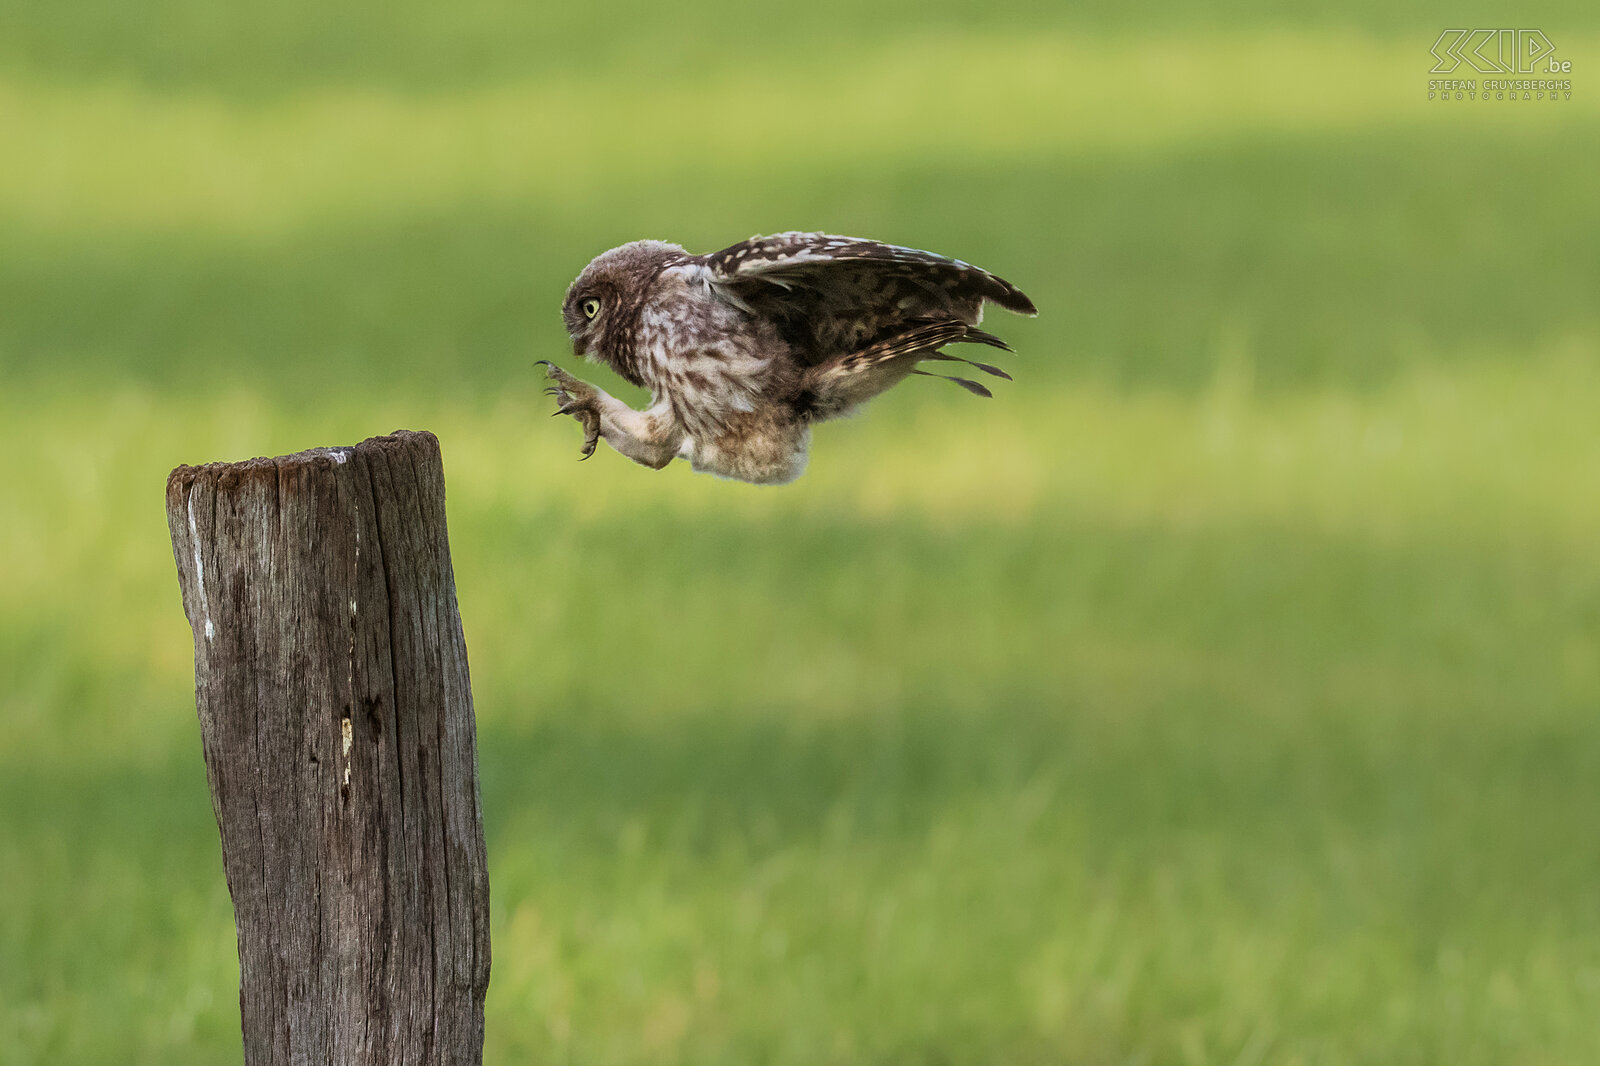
(652, 438)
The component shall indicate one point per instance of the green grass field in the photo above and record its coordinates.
(1226, 691)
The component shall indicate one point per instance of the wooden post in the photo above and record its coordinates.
(336, 715)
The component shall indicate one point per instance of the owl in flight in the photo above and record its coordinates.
(743, 350)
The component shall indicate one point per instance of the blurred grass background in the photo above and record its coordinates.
(1223, 692)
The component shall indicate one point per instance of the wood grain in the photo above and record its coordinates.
(336, 715)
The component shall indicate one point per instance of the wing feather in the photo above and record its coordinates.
(830, 295)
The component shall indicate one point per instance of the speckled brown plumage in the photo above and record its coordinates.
(744, 349)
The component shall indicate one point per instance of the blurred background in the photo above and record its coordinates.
(1224, 691)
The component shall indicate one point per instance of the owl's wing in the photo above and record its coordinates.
(830, 295)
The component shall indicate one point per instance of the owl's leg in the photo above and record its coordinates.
(652, 438)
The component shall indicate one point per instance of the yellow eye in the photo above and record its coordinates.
(591, 307)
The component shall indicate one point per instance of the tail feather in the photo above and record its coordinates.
(833, 387)
(985, 367)
(921, 338)
(975, 335)
(971, 386)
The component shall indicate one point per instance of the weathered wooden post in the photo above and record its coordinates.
(336, 714)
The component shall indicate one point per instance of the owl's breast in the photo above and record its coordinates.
(707, 352)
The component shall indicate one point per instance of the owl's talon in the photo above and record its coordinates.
(591, 427)
(578, 399)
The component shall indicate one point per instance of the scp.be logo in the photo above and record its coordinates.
(1497, 52)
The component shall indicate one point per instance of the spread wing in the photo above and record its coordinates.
(831, 295)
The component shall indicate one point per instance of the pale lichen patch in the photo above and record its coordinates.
(347, 738)
(199, 571)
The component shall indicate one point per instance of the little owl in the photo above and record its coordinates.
(742, 350)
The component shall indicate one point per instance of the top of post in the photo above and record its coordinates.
(416, 441)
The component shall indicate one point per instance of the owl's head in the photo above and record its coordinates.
(602, 306)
